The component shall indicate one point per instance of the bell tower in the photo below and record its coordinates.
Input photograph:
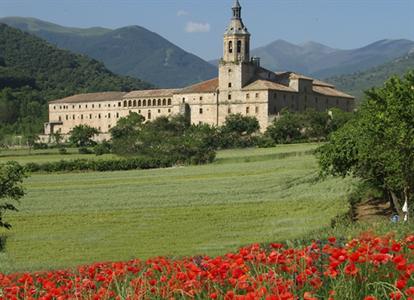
(236, 38)
(235, 68)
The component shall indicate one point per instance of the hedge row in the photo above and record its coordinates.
(100, 165)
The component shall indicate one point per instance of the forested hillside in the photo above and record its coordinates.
(356, 83)
(32, 72)
(132, 50)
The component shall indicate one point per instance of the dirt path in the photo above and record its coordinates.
(372, 209)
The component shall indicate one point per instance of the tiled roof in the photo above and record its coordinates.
(322, 83)
(152, 93)
(91, 97)
(261, 84)
(328, 91)
(208, 86)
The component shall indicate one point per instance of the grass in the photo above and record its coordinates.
(70, 219)
(24, 156)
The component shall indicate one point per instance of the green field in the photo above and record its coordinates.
(252, 195)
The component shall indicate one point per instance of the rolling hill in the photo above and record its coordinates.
(32, 72)
(133, 51)
(356, 83)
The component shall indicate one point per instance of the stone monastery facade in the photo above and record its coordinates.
(242, 86)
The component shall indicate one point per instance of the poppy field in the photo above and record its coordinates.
(367, 267)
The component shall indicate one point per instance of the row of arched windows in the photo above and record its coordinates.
(149, 102)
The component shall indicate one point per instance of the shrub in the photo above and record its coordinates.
(84, 150)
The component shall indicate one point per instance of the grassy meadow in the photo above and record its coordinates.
(246, 196)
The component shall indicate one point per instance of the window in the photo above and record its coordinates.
(239, 46)
(54, 107)
(247, 96)
(164, 102)
(159, 111)
(169, 110)
(169, 101)
(134, 103)
(86, 106)
(154, 102)
(90, 116)
(229, 110)
(201, 111)
(139, 111)
(73, 117)
(81, 117)
(149, 102)
(201, 98)
(109, 125)
(93, 105)
(247, 110)
(129, 103)
(144, 102)
(99, 106)
(73, 106)
(229, 70)
(257, 109)
(60, 107)
(80, 106)
(229, 97)
(149, 115)
(257, 95)
(109, 115)
(139, 102)
(230, 47)
(159, 102)
(183, 100)
(125, 103)
(117, 115)
(229, 84)
(99, 116)
(119, 104)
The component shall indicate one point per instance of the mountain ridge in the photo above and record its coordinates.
(159, 61)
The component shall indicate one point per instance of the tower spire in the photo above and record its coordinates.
(236, 10)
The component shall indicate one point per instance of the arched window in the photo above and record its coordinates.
(139, 102)
(129, 103)
(144, 102)
(125, 103)
(169, 101)
(149, 114)
(149, 102)
(159, 102)
(154, 102)
(134, 103)
(230, 47)
(163, 102)
(239, 45)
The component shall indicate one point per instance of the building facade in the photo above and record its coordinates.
(242, 86)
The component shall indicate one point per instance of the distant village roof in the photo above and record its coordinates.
(262, 84)
(208, 86)
(152, 93)
(91, 97)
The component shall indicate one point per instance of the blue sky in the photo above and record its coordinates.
(197, 25)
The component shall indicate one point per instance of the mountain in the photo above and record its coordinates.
(133, 51)
(32, 72)
(320, 61)
(356, 83)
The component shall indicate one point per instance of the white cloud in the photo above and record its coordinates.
(182, 12)
(192, 27)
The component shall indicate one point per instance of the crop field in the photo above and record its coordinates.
(247, 196)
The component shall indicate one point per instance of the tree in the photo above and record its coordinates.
(11, 190)
(286, 128)
(378, 144)
(243, 125)
(81, 135)
(126, 133)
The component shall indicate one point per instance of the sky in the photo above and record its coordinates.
(197, 26)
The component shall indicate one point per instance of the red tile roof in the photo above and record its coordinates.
(208, 86)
